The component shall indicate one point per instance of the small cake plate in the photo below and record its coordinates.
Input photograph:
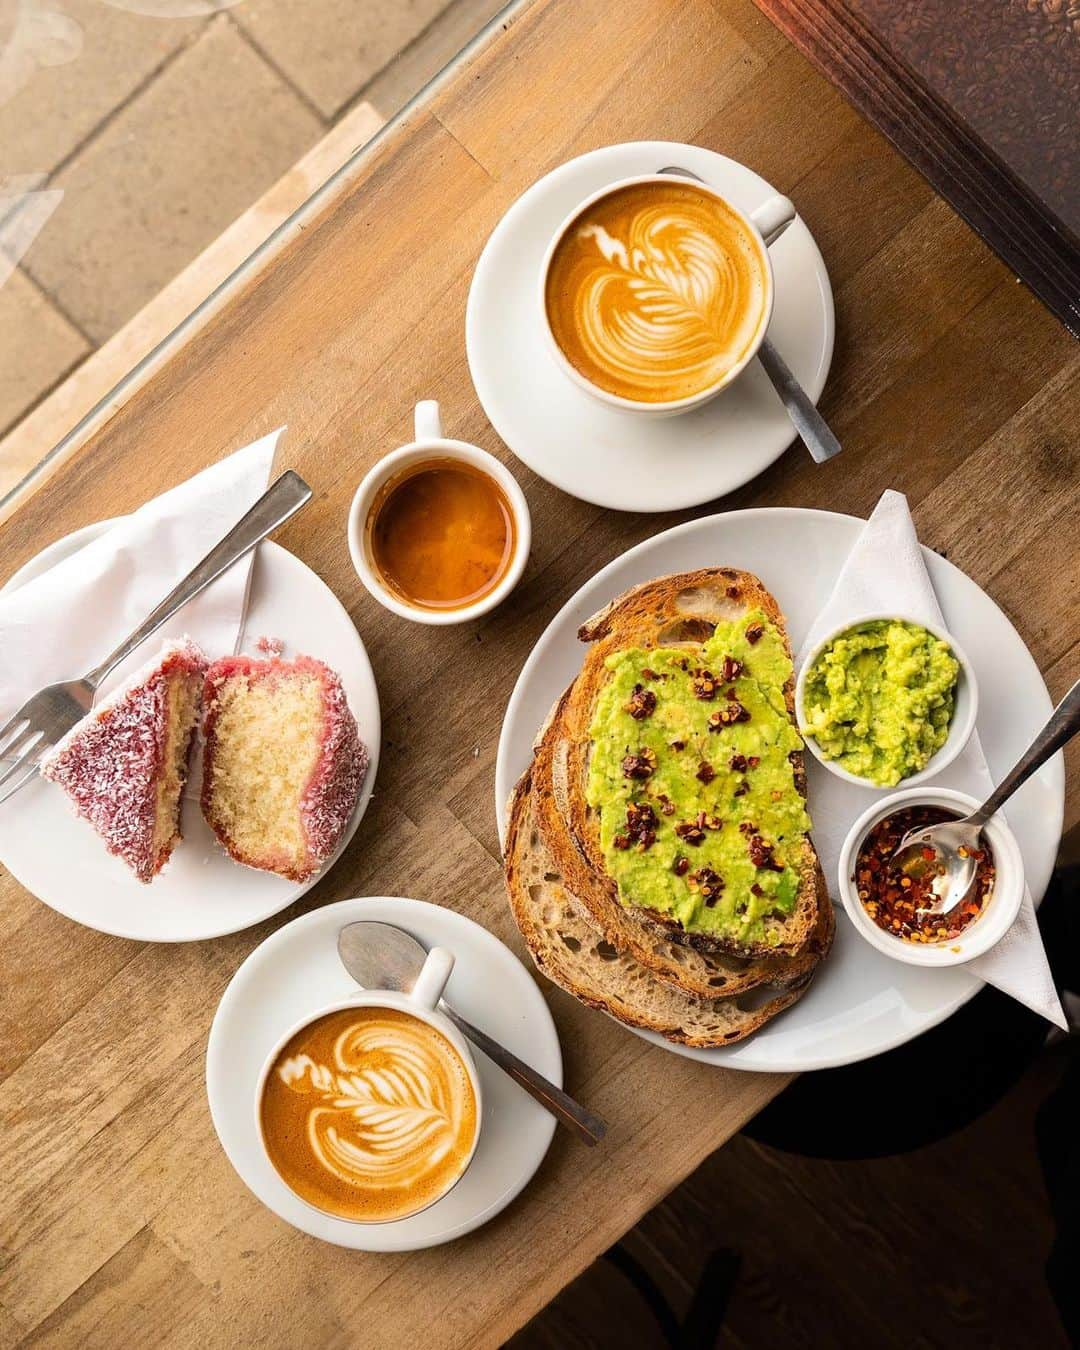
(295, 972)
(201, 893)
(603, 455)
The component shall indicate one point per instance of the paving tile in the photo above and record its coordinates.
(102, 53)
(408, 72)
(331, 49)
(45, 346)
(164, 178)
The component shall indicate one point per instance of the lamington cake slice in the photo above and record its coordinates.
(125, 764)
(283, 764)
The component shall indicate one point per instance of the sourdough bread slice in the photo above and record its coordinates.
(703, 974)
(677, 612)
(570, 951)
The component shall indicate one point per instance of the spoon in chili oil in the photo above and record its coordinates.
(955, 843)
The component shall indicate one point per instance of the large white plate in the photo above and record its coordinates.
(296, 971)
(201, 893)
(861, 1002)
(601, 454)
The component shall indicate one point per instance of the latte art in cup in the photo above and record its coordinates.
(369, 1114)
(656, 291)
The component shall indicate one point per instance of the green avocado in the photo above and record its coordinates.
(879, 699)
(700, 817)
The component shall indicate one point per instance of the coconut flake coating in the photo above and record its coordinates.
(111, 762)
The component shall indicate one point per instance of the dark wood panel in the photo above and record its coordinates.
(990, 122)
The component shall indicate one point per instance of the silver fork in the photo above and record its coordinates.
(51, 713)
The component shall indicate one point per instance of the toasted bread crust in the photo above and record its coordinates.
(679, 611)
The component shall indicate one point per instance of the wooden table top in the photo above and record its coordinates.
(120, 1218)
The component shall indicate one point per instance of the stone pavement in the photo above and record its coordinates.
(155, 124)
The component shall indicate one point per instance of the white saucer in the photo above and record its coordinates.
(601, 454)
(861, 1002)
(201, 893)
(295, 972)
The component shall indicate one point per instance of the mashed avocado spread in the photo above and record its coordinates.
(700, 818)
(878, 700)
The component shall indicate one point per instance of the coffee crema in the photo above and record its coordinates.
(369, 1114)
(656, 291)
(441, 534)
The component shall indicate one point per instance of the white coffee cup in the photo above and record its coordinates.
(766, 223)
(422, 1003)
(429, 443)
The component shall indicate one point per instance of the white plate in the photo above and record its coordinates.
(295, 972)
(602, 454)
(201, 893)
(861, 1002)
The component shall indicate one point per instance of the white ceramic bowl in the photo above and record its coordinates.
(431, 444)
(965, 707)
(982, 933)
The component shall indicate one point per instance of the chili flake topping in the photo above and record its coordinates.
(898, 898)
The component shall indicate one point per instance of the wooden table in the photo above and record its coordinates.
(120, 1219)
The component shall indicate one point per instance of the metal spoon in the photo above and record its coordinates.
(383, 956)
(950, 836)
(807, 421)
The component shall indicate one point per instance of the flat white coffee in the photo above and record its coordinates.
(656, 291)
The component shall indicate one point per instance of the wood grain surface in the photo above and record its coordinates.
(121, 1222)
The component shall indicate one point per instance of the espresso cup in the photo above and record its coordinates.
(761, 226)
(419, 1006)
(429, 443)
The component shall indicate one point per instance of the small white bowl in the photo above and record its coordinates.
(430, 443)
(982, 933)
(965, 706)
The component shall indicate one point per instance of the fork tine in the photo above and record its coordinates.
(15, 725)
(24, 739)
(12, 771)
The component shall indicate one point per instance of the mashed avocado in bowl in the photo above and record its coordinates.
(879, 700)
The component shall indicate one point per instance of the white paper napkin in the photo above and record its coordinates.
(67, 620)
(886, 573)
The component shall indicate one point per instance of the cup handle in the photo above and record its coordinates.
(432, 978)
(772, 218)
(428, 423)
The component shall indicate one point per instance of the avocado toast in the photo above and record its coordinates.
(579, 958)
(679, 731)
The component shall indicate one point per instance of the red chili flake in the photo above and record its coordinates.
(732, 712)
(706, 773)
(691, 833)
(755, 889)
(754, 761)
(710, 884)
(703, 684)
(893, 897)
(742, 789)
(641, 824)
(754, 632)
(738, 763)
(681, 866)
(678, 745)
(730, 670)
(639, 766)
(761, 854)
(641, 704)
